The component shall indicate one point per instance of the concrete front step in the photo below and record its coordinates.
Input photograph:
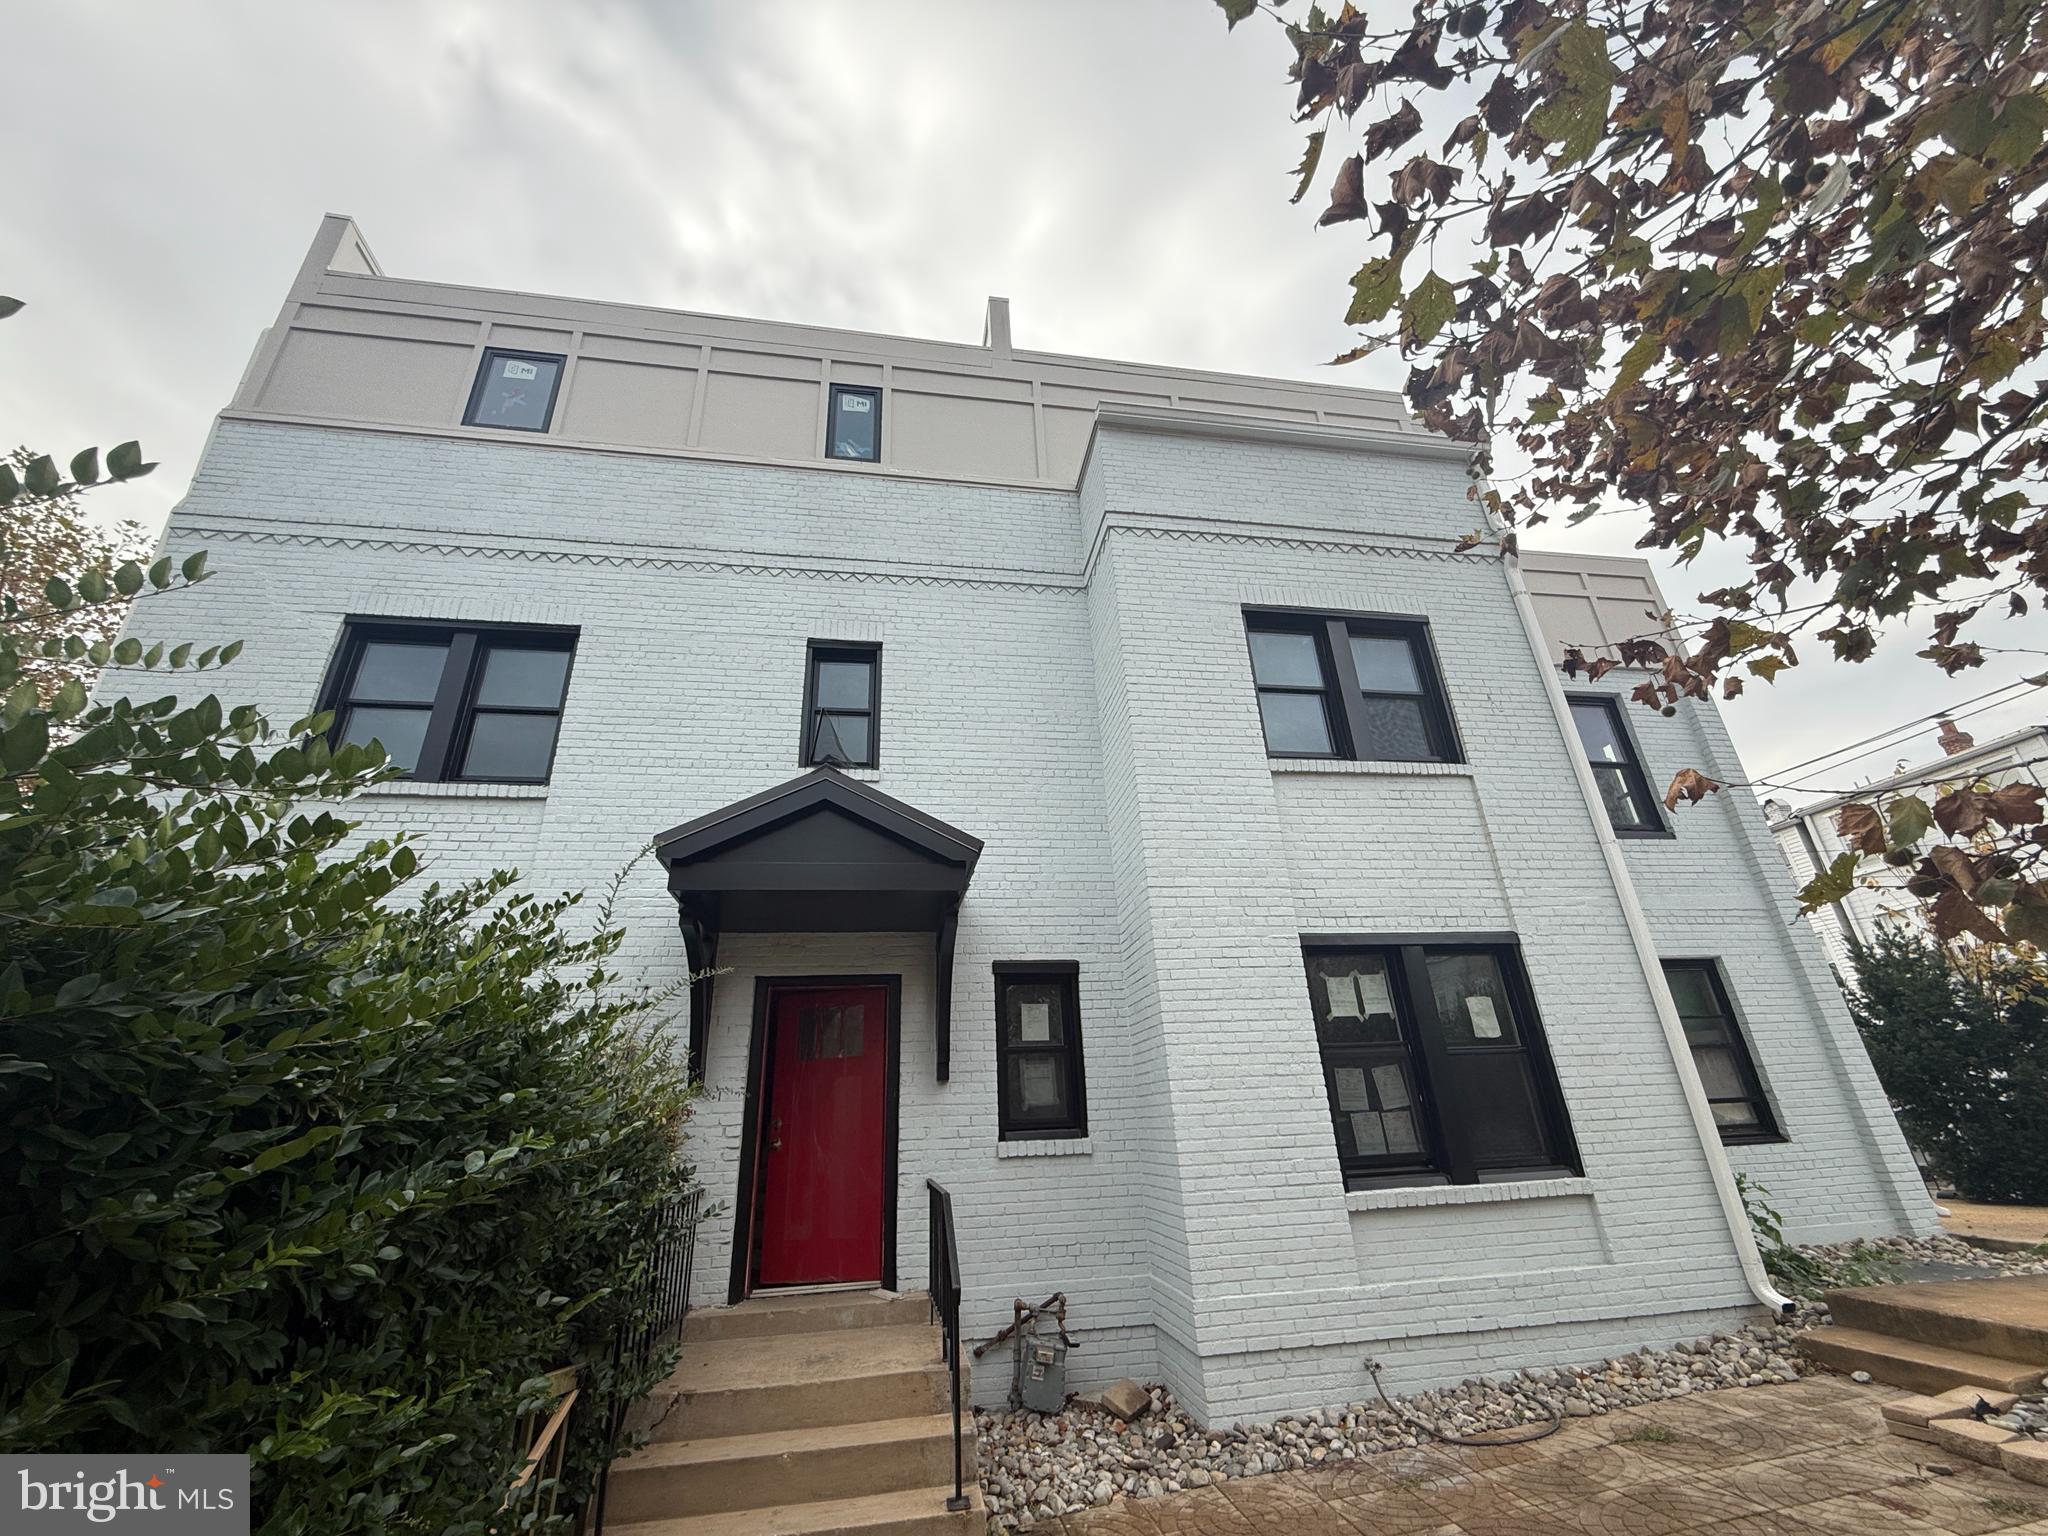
(2006, 1318)
(749, 1386)
(1925, 1368)
(907, 1512)
(817, 1312)
(733, 1472)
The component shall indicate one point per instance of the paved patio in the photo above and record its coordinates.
(1807, 1459)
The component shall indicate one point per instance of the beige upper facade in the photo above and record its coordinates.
(353, 346)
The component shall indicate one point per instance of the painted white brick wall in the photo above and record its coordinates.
(1065, 676)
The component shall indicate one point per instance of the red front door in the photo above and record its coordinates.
(822, 1137)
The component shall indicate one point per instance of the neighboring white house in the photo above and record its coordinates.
(1810, 842)
(1103, 789)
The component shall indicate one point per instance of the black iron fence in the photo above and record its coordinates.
(943, 1270)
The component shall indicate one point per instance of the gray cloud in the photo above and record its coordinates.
(1118, 171)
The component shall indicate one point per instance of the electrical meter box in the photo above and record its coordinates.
(1042, 1373)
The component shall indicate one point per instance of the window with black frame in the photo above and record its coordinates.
(842, 705)
(853, 424)
(1735, 1091)
(1434, 1065)
(515, 390)
(1617, 766)
(1041, 1088)
(449, 702)
(1357, 686)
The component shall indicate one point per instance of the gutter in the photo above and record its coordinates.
(1718, 1166)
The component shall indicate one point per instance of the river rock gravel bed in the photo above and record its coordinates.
(1938, 1249)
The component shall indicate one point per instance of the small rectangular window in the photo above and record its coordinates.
(1352, 686)
(1041, 1090)
(1617, 766)
(1434, 1064)
(853, 428)
(1735, 1093)
(842, 705)
(514, 390)
(474, 703)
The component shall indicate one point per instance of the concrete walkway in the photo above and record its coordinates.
(1807, 1459)
(2008, 1223)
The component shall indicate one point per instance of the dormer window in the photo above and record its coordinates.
(853, 428)
(515, 390)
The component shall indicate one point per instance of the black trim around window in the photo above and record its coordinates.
(1742, 1109)
(840, 445)
(455, 718)
(836, 732)
(1399, 714)
(1420, 1093)
(1624, 782)
(1055, 1061)
(486, 373)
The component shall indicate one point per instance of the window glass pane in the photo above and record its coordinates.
(1736, 1116)
(1353, 998)
(1034, 1013)
(1295, 722)
(1718, 1070)
(517, 676)
(1692, 991)
(844, 684)
(1704, 1032)
(1038, 1087)
(509, 746)
(856, 426)
(1497, 1102)
(1281, 659)
(1376, 1114)
(399, 672)
(516, 392)
(1386, 664)
(1623, 809)
(1395, 730)
(400, 730)
(841, 739)
(1472, 1000)
(1598, 732)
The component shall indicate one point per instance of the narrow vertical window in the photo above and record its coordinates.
(1041, 1090)
(1293, 688)
(842, 706)
(1393, 700)
(853, 427)
(1617, 767)
(515, 390)
(1735, 1093)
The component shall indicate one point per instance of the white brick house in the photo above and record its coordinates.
(1179, 752)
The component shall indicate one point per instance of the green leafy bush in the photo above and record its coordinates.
(286, 1165)
(1964, 1058)
(1800, 1271)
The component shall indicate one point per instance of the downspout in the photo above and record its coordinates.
(1718, 1166)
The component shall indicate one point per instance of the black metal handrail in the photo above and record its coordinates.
(943, 1278)
(664, 1291)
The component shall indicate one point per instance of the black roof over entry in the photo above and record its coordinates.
(820, 854)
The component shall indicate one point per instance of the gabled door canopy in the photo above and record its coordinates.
(820, 854)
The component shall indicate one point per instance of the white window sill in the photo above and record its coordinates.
(1464, 1194)
(432, 789)
(1070, 1146)
(1377, 769)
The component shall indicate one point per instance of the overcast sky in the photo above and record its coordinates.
(1118, 171)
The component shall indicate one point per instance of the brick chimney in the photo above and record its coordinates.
(1954, 741)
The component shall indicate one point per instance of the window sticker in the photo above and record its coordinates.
(514, 369)
(1343, 994)
(1401, 1135)
(1034, 1023)
(859, 404)
(1392, 1085)
(1351, 1089)
(1485, 1022)
(1369, 1134)
(1372, 987)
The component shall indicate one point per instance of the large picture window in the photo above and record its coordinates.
(1434, 1063)
(1735, 1091)
(473, 703)
(1350, 686)
(1041, 1090)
